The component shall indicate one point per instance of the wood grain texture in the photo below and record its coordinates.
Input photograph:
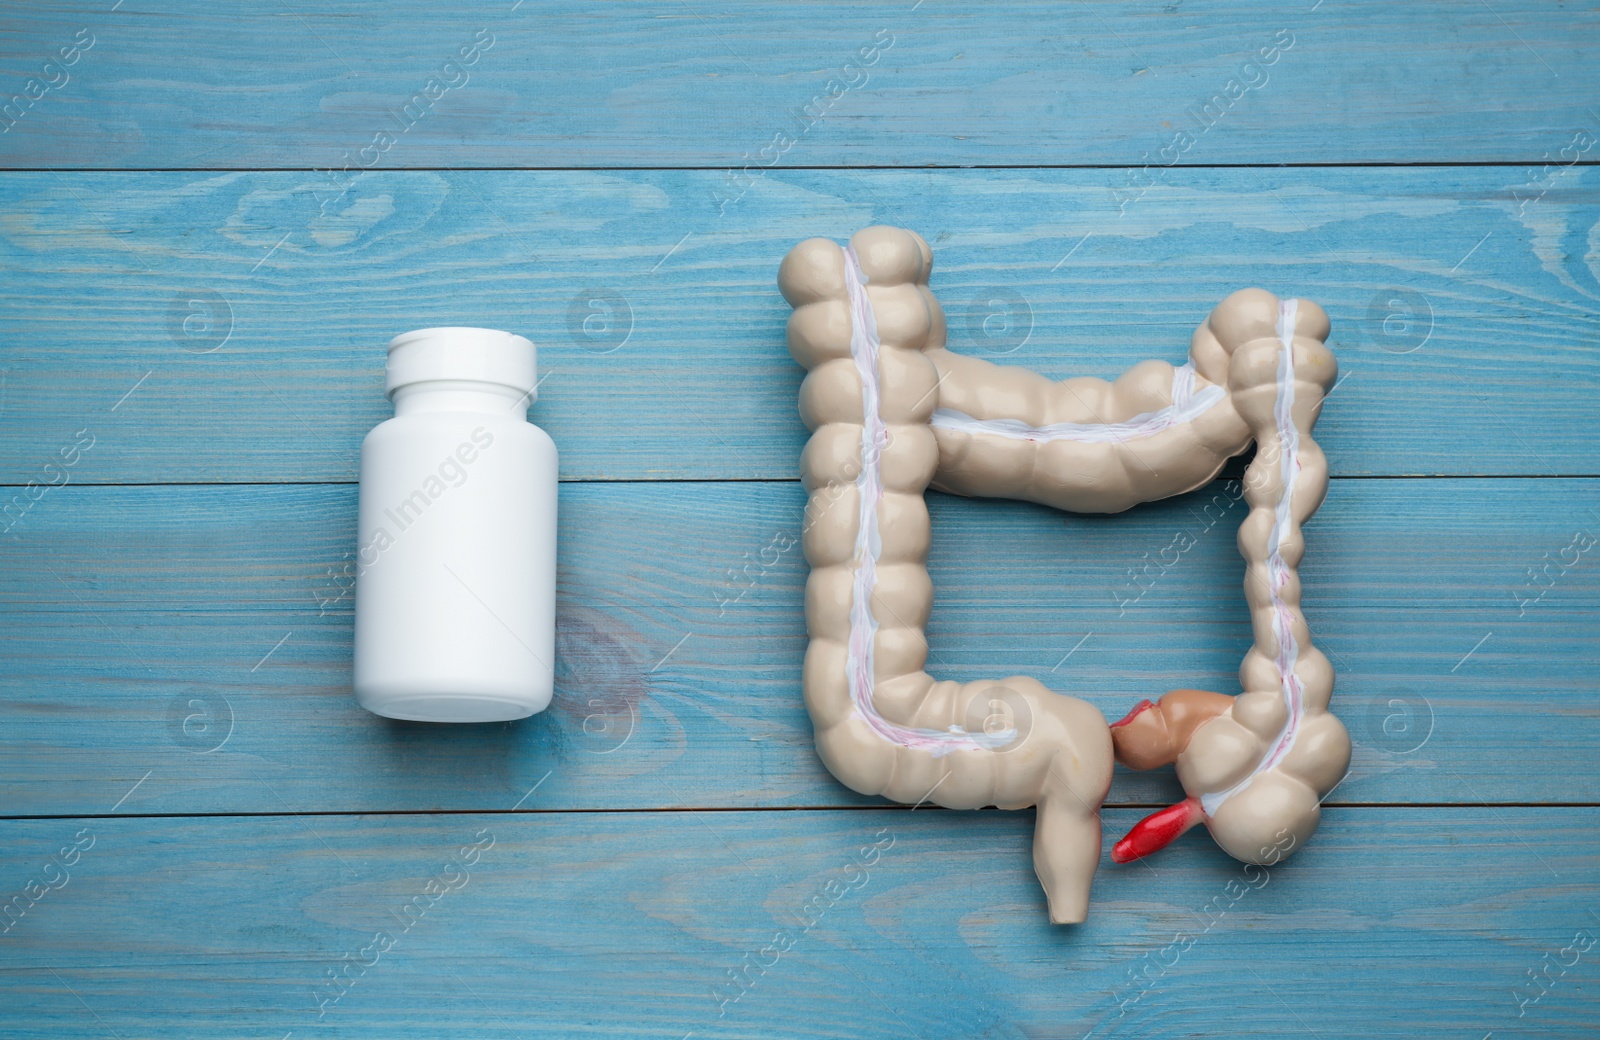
(181, 83)
(136, 626)
(1463, 319)
(205, 345)
(630, 925)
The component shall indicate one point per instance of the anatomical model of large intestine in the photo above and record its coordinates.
(892, 412)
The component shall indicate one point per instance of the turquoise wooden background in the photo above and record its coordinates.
(197, 293)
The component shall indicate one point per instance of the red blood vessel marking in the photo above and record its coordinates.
(1144, 705)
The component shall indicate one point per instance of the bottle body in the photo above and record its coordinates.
(456, 570)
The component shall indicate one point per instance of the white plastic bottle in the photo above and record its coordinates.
(456, 558)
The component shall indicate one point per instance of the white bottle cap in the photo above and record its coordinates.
(460, 353)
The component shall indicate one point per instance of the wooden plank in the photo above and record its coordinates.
(630, 924)
(1465, 330)
(141, 627)
(668, 84)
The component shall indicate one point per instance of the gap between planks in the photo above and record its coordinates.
(1376, 164)
(770, 480)
(890, 806)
